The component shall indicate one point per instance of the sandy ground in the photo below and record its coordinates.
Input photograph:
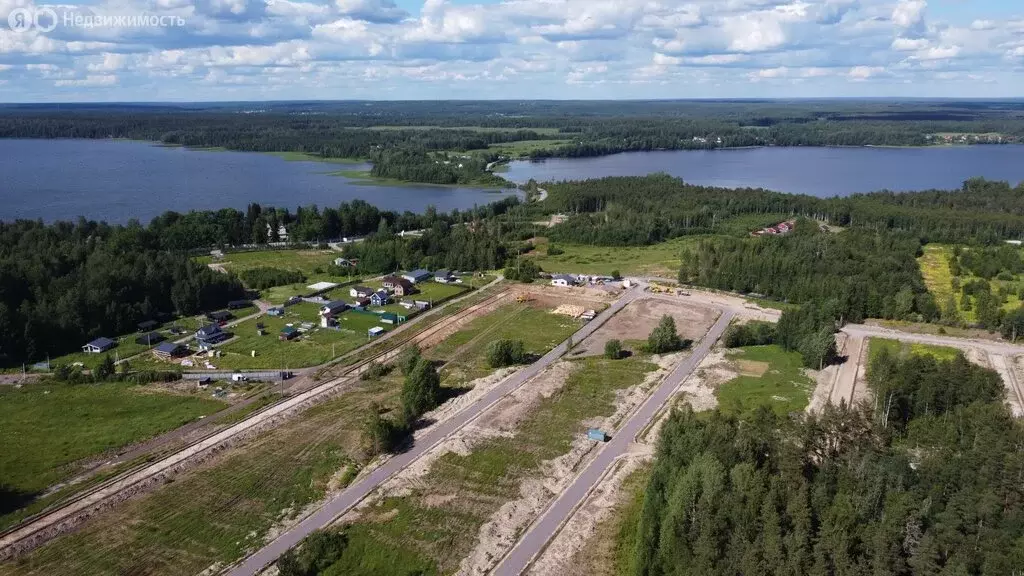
(501, 532)
(564, 555)
(636, 321)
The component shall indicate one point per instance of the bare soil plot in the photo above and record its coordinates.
(636, 321)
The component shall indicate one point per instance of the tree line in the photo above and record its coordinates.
(65, 284)
(621, 211)
(928, 484)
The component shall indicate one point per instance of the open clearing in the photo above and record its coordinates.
(897, 348)
(635, 322)
(658, 260)
(938, 278)
(781, 383)
(466, 500)
(212, 514)
(50, 429)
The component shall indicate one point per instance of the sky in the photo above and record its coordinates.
(230, 50)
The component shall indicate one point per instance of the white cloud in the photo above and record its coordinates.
(552, 48)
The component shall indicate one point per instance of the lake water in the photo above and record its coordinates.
(819, 172)
(117, 180)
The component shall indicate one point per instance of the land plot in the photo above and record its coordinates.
(635, 322)
(49, 430)
(769, 376)
(661, 259)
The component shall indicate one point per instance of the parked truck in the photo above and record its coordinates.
(597, 435)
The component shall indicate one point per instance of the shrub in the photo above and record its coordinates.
(613, 349)
(752, 334)
(664, 337)
(376, 371)
(421, 391)
(314, 555)
(505, 352)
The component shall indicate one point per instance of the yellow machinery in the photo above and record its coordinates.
(523, 298)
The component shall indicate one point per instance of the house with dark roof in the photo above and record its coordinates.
(99, 346)
(150, 339)
(443, 276)
(360, 292)
(333, 308)
(400, 286)
(220, 316)
(563, 280)
(170, 350)
(239, 304)
(417, 276)
(289, 333)
(211, 334)
(380, 298)
(148, 325)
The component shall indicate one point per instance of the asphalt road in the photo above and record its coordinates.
(351, 496)
(548, 524)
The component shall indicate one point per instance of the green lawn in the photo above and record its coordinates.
(435, 535)
(781, 385)
(657, 260)
(465, 351)
(216, 512)
(897, 348)
(125, 348)
(49, 427)
(315, 347)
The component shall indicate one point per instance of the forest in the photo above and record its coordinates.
(399, 135)
(929, 483)
(621, 211)
(65, 284)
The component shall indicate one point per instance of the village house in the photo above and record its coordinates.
(400, 286)
(330, 311)
(288, 333)
(150, 338)
(360, 292)
(563, 280)
(380, 298)
(443, 276)
(211, 334)
(169, 350)
(148, 326)
(417, 276)
(99, 346)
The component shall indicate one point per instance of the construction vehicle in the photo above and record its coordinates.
(522, 298)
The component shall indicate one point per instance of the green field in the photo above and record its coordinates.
(47, 428)
(126, 347)
(658, 260)
(436, 526)
(216, 512)
(525, 147)
(934, 265)
(770, 376)
(464, 352)
(305, 261)
(897, 348)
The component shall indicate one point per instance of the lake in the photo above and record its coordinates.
(118, 180)
(821, 172)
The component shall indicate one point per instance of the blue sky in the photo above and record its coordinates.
(189, 50)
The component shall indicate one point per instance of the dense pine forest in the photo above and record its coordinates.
(930, 482)
(64, 284)
(399, 135)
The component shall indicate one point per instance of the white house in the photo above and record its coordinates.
(563, 280)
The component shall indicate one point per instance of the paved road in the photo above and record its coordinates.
(351, 496)
(545, 527)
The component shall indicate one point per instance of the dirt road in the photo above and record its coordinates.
(353, 495)
(538, 535)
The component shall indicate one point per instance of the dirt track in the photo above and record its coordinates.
(636, 321)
